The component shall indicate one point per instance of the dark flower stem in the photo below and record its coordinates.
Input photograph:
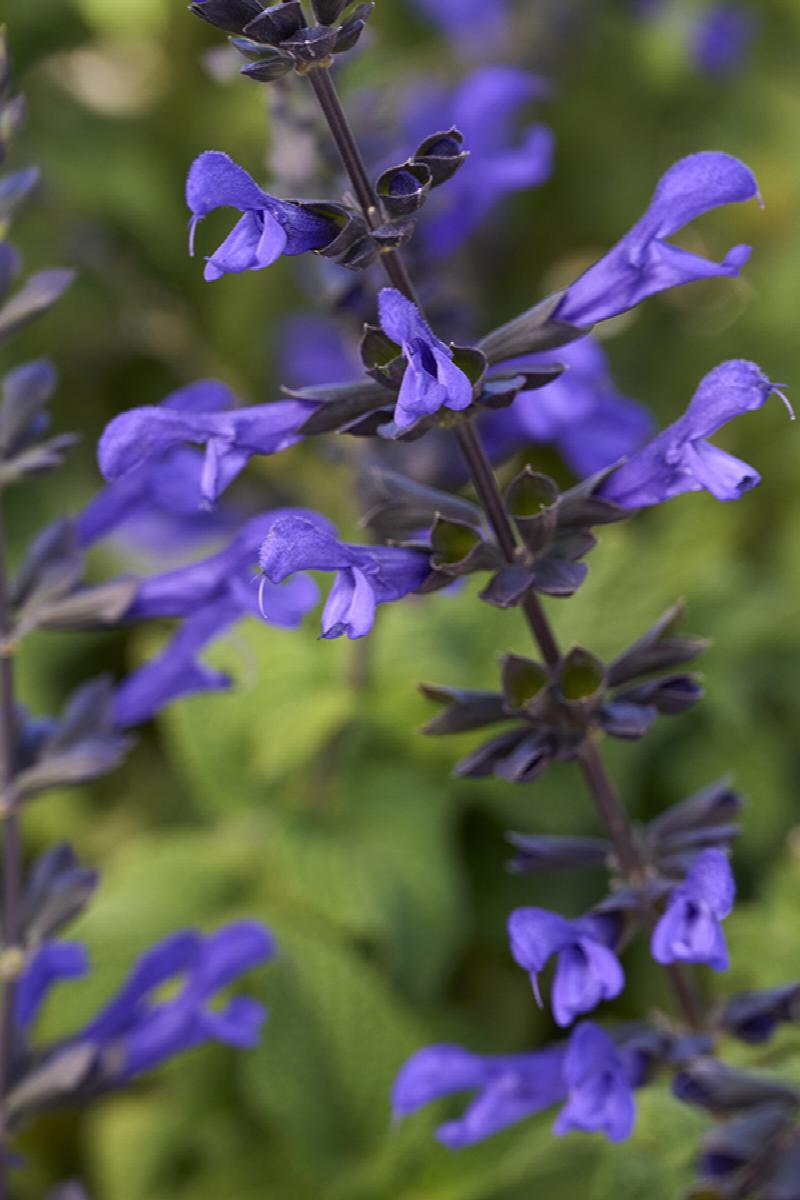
(606, 798)
(11, 855)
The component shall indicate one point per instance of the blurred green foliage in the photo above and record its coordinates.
(313, 803)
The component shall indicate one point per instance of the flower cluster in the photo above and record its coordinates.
(541, 377)
(592, 1075)
(158, 491)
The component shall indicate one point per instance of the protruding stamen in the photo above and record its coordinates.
(776, 387)
(261, 588)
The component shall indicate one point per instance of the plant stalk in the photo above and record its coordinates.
(599, 783)
(11, 852)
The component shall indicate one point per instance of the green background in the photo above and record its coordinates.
(311, 802)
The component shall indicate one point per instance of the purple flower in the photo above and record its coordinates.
(473, 22)
(643, 263)
(485, 108)
(431, 380)
(162, 496)
(49, 963)
(365, 575)
(135, 438)
(313, 351)
(144, 1031)
(509, 1088)
(690, 929)
(267, 228)
(587, 970)
(599, 1082)
(176, 672)
(582, 413)
(680, 459)
(212, 594)
(138, 1029)
(721, 38)
(228, 575)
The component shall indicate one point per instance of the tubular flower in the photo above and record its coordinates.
(690, 930)
(267, 228)
(643, 262)
(231, 438)
(509, 1088)
(581, 413)
(503, 158)
(212, 595)
(365, 575)
(137, 1030)
(162, 496)
(587, 971)
(431, 380)
(177, 671)
(598, 1078)
(680, 459)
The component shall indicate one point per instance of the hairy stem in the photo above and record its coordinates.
(11, 853)
(599, 783)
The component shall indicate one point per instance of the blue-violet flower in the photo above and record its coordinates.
(485, 108)
(591, 423)
(680, 459)
(161, 499)
(600, 1088)
(509, 1088)
(231, 438)
(136, 1031)
(643, 263)
(431, 380)
(721, 39)
(365, 575)
(587, 970)
(267, 228)
(690, 929)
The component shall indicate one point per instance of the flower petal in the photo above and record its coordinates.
(400, 319)
(725, 477)
(711, 879)
(297, 544)
(226, 954)
(535, 934)
(734, 387)
(434, 1072)
(175, 672)
(587, 972)
(350, 607)
(216, 181)
(457, 388)
(49, 963)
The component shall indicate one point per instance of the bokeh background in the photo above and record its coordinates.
(307, 797)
